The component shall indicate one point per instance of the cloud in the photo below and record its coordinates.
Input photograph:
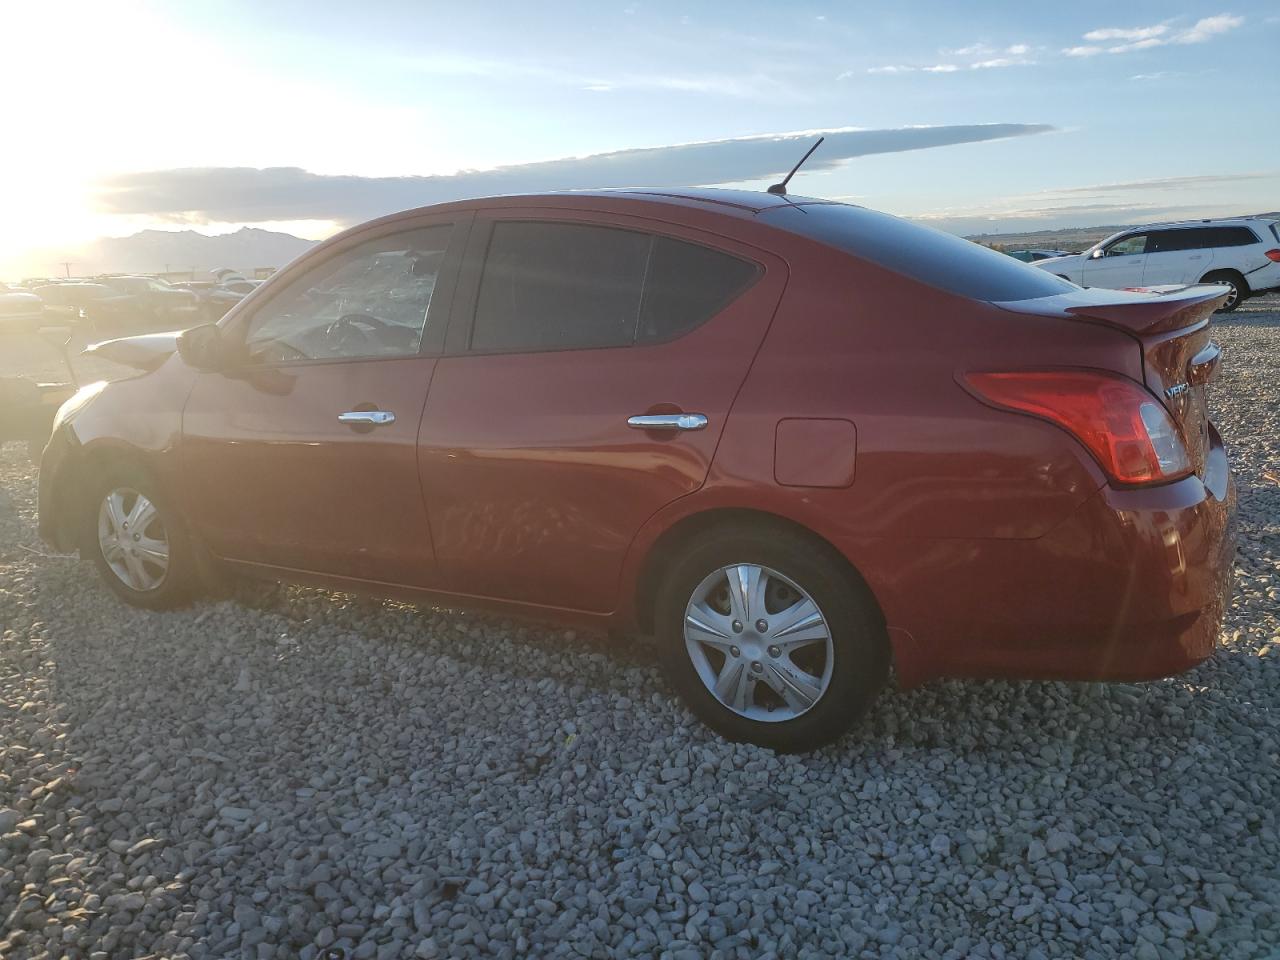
(993, 63)
(1169, 183)
(973, 50)
(1156, 35)
(1209, 27)
(1121, 33)
(1001, 62)
(747, 85)
(253, 195)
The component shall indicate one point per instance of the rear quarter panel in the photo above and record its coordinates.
(937, 473)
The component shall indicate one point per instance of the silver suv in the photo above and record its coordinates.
(1242, 253)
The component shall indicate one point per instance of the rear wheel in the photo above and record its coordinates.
(1229, 278)
(769, 640)
(137, 541)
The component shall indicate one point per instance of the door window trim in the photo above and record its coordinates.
(439, 313)
(467, 295)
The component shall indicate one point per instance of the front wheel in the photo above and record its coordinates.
(768, 639)
(137, 541)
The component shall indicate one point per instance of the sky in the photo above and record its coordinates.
(310, 116)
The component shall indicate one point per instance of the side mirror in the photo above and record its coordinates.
(1097, 254)
(203, 348)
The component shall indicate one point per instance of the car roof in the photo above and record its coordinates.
(1192, 224)
(742, 203)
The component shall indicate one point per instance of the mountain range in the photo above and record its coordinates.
(249, 248)
(168, 251)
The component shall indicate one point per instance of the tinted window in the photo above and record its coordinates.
(563, 286)
(687, 285)
(1201, 238)
(1234, 237)
(930, 256)
(370, 301)
(1169, 241)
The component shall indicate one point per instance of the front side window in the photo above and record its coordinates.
(367, 302)
(566, 286)
(1128, 246)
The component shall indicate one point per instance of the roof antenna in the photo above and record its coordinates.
(781, 188)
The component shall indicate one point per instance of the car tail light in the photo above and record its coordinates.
(1122, 424)
(1273, 255)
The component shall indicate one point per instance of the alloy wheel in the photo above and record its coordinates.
(758, 642)
(132, 539)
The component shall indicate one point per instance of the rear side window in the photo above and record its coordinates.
(1235, 237)
(929, 256)
(687, 285)
(566, 286)
(1202, 238)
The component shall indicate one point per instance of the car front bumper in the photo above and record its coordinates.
(56, 521)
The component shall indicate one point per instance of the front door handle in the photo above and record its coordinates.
(367, 418)
(668, 421)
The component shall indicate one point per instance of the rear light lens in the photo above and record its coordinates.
(1273, 255)
(1128, 431)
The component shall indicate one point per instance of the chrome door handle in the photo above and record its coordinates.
(668, 421)
(372, 418)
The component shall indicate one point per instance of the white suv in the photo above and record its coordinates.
(1242, 253)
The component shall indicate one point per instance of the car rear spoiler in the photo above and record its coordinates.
(146, 352)
(1136, 310)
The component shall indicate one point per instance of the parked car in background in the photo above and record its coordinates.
(155, 304)
(797, 440)
(235, 281)
(215, 299)
(1242, 254)
(1031, 256)
(85, 303)
(20, 310)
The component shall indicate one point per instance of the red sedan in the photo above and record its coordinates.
(802, 442)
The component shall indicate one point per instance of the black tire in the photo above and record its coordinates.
(1238, 284)
(860, 645)
(178, 583)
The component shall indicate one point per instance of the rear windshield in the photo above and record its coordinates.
(930, 256)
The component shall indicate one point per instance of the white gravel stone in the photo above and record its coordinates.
(287, 770)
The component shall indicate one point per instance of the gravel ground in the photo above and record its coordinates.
(297, 771)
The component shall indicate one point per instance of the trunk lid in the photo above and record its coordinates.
(1171, 325)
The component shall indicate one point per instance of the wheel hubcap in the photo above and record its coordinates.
(132, 538)
(759, 643)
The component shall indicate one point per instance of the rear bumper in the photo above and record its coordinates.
(1132, 586)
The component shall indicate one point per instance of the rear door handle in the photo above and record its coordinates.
(668, 421)
(369, 418)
